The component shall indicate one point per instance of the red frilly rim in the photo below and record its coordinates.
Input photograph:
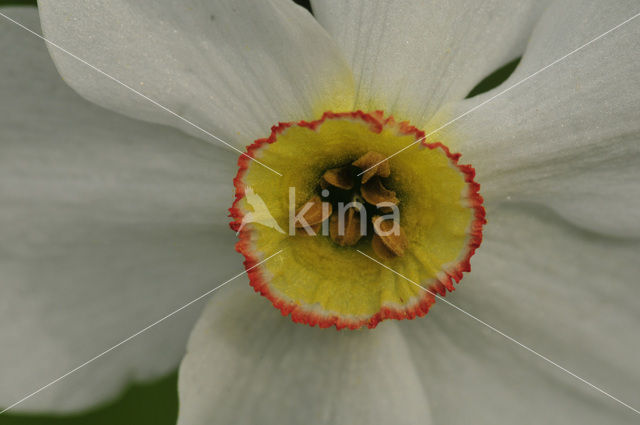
(299, 313)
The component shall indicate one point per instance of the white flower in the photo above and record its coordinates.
(108, 223)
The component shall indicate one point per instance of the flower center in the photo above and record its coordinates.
(419, 212)
(354, 202)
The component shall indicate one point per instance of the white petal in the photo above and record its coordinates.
(106, 225)
(569, 295)
(247, 364)
(410, 57)
(570, 136)
(232, 67)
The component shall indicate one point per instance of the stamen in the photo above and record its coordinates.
(339, 177)
(392, 240)
(367, 162)
(312, 213)
(351, 233)
(374, 192)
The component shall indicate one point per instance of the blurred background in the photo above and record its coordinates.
(156, 402)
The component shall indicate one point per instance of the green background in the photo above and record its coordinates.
(157, 402)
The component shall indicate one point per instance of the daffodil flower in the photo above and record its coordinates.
(107, 223)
